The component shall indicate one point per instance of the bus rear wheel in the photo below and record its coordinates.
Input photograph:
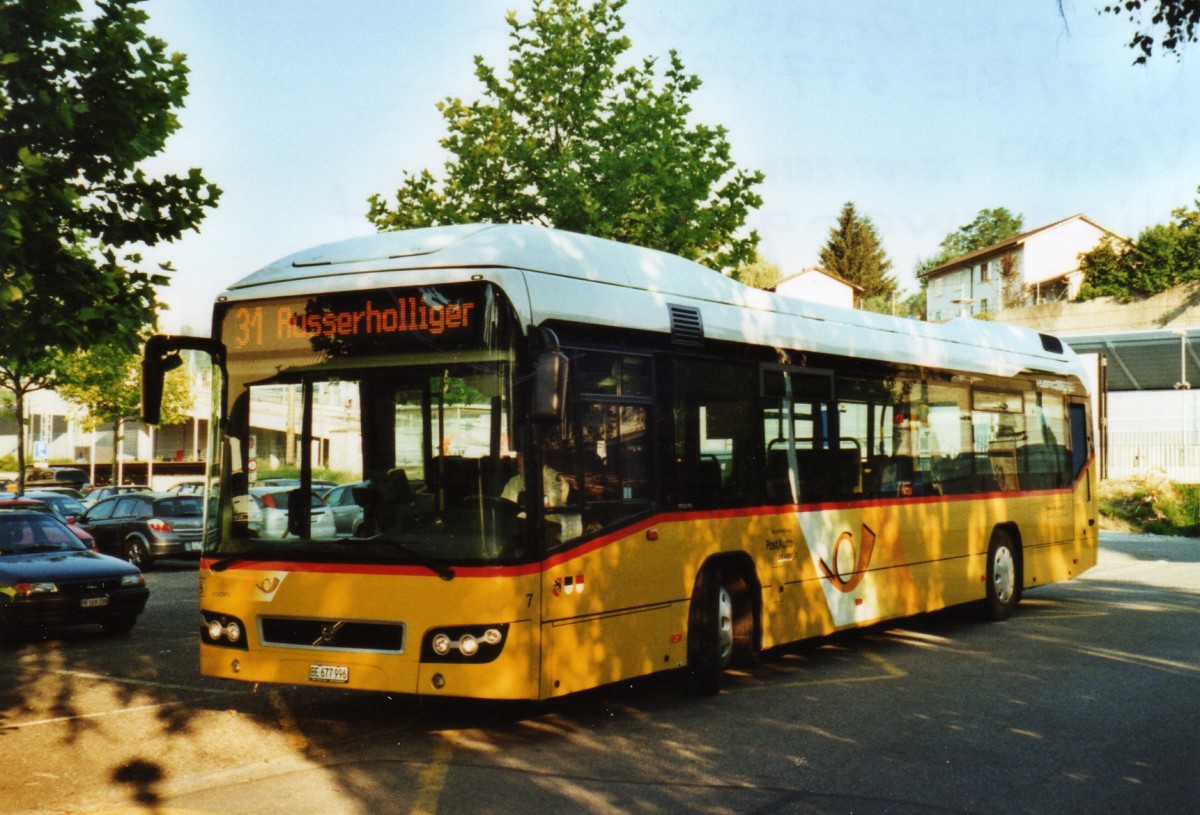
(1003, 576)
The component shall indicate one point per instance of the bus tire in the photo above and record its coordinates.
(710, 632)
(1003, 575)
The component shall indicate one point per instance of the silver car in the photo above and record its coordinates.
(347, 514)
(268, 516)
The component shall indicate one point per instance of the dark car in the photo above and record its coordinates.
(28, 504)
(145, 526)
(100, 493)
(65, 505)
(49, 578)
(71, 477)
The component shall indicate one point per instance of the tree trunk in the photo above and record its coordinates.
(118, 469)
(20, 441)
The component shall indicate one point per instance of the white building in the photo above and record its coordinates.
(1038, 266)
(818, 285)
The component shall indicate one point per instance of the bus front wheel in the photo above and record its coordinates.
(1003, 575)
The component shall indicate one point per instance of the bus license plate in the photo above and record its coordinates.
(329, 673)
(93, 602)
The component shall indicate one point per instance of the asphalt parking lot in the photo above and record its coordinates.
(1082, 702)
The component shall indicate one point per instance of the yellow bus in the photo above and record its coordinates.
(554, 462)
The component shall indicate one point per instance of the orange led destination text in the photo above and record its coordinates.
(408, 314)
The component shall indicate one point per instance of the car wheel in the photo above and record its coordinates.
(138, 554)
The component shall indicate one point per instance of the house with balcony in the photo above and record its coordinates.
(1039, 266)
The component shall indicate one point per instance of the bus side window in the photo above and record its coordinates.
(602, 450)
(714, 457)
(1080, 437)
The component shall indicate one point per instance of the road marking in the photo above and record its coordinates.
(76, 717)
(145, 683)
(432, 780)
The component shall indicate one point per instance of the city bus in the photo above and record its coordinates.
(512, 462)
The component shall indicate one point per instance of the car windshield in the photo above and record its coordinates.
(33, 532)
(63, 503)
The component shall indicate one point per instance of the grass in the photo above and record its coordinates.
(1151, 503)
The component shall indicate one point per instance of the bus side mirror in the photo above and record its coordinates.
(158, 360)
(550, 386)
(161, 356)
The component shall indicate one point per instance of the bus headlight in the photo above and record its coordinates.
(464, 643)
(442, 645)
(223, 630)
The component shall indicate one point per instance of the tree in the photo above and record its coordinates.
(991, 226)
(569, 139)
(760, 273)
(1164, 255)
(83, 102)
(106, 381)
(1179, 20)
(855, 252)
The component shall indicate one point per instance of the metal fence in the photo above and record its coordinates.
(1174, 452)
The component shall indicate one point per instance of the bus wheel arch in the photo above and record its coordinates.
(1004, 575)
(724, 620)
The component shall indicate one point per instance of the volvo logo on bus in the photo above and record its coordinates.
(328, 632)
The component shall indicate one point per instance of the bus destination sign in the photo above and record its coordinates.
(451, 316)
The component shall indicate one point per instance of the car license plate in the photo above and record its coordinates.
(93, 602)
(329, 673)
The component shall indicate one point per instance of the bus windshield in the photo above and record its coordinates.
(371, 451)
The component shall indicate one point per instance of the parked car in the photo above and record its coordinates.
(28, 504)
(68, 491)
(71, 477)
(66, 506)
(143, 527)
(187, 488)
(48, 577)
(268, 514)
(319, 485)
(100, 493)
(347, 514)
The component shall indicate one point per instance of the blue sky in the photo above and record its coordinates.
(921, 112)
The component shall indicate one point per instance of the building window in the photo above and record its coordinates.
(983, 305)
(985, 272)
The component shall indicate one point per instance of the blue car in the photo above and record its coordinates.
(49, 578)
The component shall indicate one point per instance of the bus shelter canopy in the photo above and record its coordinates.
(1157, 360)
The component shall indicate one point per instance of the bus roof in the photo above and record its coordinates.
(577, 278)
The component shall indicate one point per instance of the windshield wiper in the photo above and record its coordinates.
(441, 570)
